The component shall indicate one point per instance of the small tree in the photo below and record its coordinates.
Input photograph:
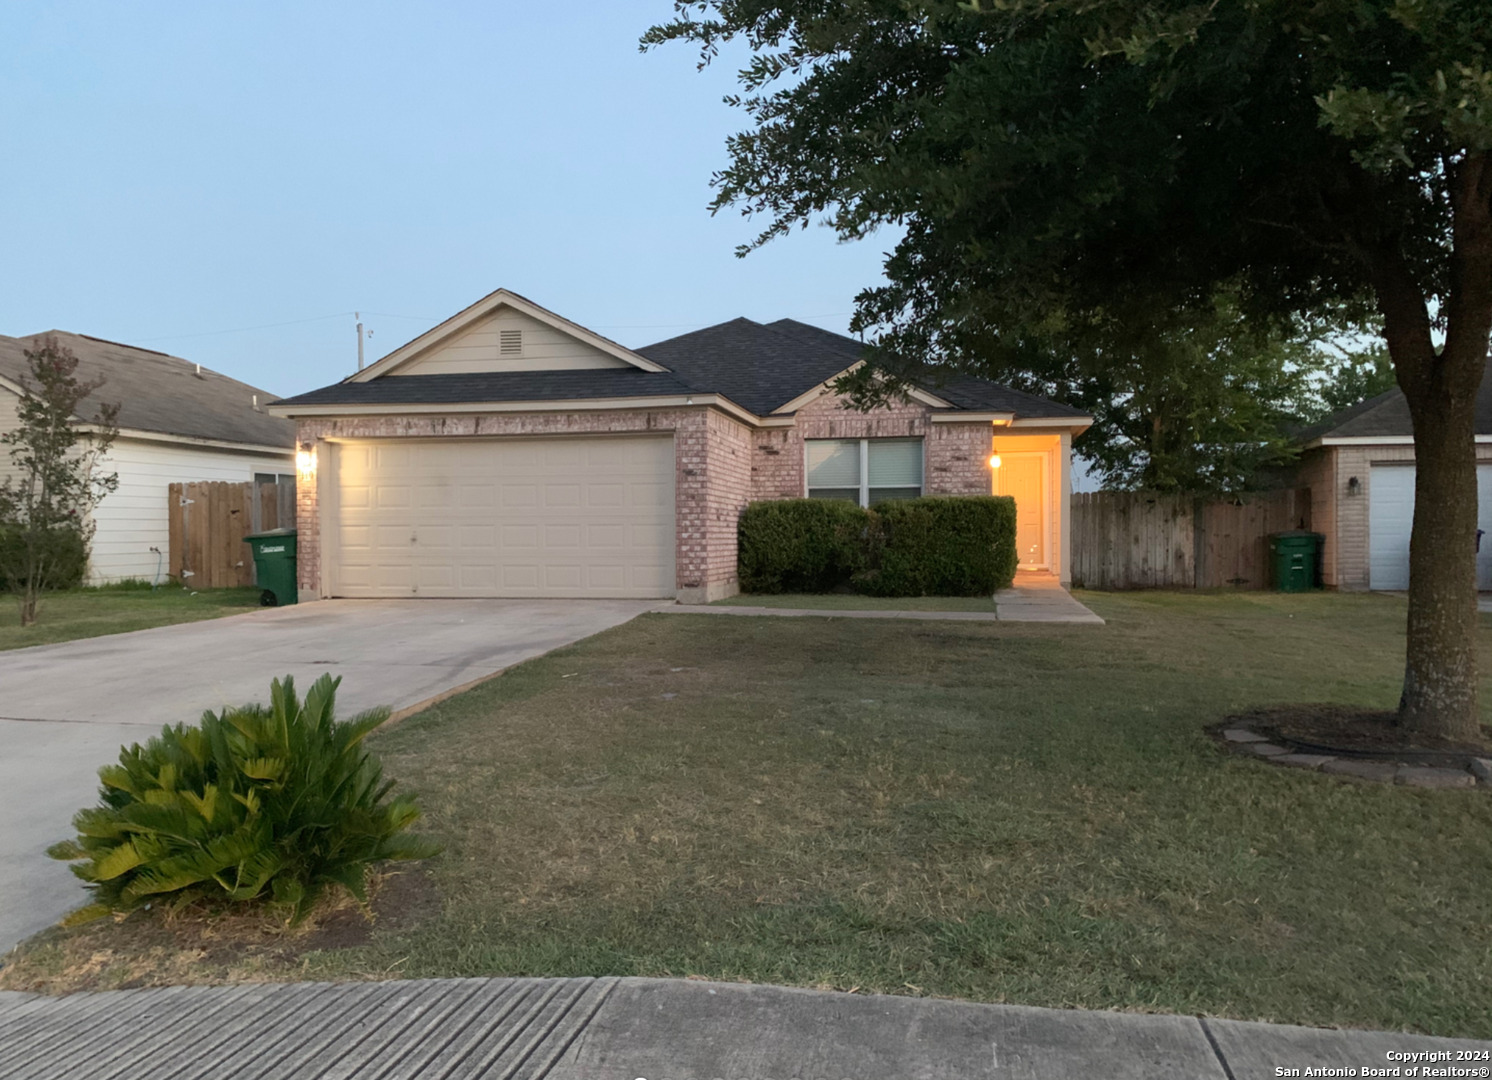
(46, 505)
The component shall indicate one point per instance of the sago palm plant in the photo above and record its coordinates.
(253, 804)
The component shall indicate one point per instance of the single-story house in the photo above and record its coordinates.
(1359, 465)
(178, 423)
(510, 452)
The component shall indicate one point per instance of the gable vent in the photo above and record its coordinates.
(509, 342)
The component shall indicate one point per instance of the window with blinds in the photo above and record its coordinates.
(864, 471)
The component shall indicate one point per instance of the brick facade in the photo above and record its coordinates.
(720, 464)
(955, 456)
(711, 476)
(1343, 517)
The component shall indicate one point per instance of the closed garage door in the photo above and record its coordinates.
(1391, 514)
(582, 517)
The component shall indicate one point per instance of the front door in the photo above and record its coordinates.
(1023, 476)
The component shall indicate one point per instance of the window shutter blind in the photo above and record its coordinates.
(895, 463)
(833, 463)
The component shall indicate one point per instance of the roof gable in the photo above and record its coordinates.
(1387, 416)
(956, 391)
(504, 332)
(159, 393)
(761, 369)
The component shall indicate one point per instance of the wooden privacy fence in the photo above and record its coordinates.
(209, 520)
(1144, 540)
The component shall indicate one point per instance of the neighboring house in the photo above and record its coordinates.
(509, 452)
(178, 422)
(1359, 465)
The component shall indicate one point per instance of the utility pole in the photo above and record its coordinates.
(358, 316)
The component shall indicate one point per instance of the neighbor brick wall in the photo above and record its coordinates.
(1350, 567)
(955, 456)
(1317, 472)
(1343, 518)
(711, 477)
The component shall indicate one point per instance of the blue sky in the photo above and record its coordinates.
(178, 170)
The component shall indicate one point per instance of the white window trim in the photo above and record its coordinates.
(865, 465)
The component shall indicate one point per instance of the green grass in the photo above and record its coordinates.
(996, 811)
(855, 602)
(84, 613)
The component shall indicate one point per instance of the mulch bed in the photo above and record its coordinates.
(207, 940)
(1346, 731)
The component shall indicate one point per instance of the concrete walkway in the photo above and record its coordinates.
(624, 1029)
(66, 709)
(1033, 598)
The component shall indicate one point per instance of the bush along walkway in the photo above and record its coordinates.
(1032, 598)
(585, 1028)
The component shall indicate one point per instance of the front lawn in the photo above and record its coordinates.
(83, 613)
(1005, 812)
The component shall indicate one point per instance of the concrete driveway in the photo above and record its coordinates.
(66, 709)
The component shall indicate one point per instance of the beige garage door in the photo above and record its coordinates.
(582, 517)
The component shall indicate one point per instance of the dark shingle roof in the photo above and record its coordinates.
(497, 386)
(160, 393)
(1387, 415)
(755, 366)
(760, 368)
(963, 391)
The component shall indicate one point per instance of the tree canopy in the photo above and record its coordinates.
(1057, 163)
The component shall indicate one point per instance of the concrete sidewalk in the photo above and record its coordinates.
(657, 1029)
(1033, 598)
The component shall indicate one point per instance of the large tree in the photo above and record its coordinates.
(1075, 158)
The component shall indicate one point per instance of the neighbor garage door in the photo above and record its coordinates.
(561, 517)
(1391, 514)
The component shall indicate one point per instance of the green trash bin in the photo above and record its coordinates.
(1295, 560)
(274, 565)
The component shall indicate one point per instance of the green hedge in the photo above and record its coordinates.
(944, 545)
(932, 546)
(67, 559)
(801, 545)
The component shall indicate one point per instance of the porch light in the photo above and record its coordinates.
(305, 461)
(994, 461)
(1354, 487)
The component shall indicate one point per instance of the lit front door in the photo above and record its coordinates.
(1024, 477)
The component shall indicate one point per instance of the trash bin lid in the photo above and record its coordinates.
(270, 534)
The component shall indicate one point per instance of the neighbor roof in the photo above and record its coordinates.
(159, 393)
(1387, 416)
(758, 367)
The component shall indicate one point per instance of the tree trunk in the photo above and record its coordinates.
(28, 607)
(1440, 677)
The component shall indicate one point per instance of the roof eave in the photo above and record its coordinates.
(310, 411)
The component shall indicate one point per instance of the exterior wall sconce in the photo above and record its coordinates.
(994, 461)
(305, 461)
(1354, 487)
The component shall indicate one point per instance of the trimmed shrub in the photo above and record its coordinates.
(801, 545)
(943, 545)
(66, 557)
(254, 804)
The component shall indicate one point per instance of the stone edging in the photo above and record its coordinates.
(1476, 774)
